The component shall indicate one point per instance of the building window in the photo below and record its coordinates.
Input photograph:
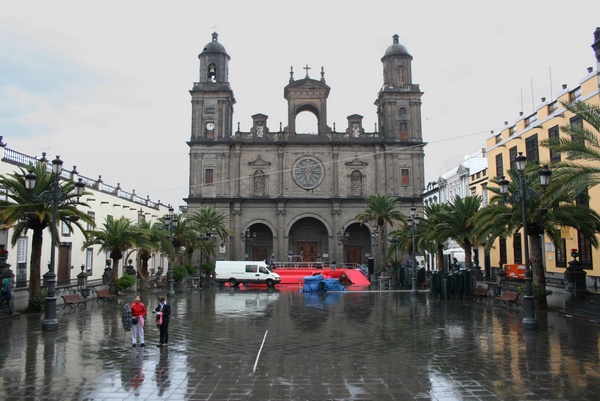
(89, 259)
(552, 135)
(92, 215)
(577, 123)
(503, 257)
(560, 253)
(531, 149)
(518, 248)
(403, 75)
(499, 166)
(403, 130)
(356, 183)
(64, 229)
(259, 183)
(552, 107)
(512, 155)
(484, 195)
(498, 138)
(575, 94)
(531, 119)
(512, 130)
(405, 177)
(208, 176)
(210, 110)
(3, 196)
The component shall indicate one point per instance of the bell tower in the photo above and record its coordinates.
(212, 97)
(399, 100)
(212, 122)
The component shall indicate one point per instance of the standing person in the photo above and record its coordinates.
(138, 311)
(163, 312)
(6, 295)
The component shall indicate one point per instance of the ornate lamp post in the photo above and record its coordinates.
(172, 225)
(55, 197)
(529, 320)
(413, 220)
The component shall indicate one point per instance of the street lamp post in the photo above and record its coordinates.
(172, 225)
(529, 320)
(55, 197)
(413, 220)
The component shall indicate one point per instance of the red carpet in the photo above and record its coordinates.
(296, 276)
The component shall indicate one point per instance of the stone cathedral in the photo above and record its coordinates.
(289, 192)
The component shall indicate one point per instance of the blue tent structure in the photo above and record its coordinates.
(318, 283)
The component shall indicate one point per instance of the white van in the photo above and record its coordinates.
(235, 272)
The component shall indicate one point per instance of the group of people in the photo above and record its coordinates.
(135, 314)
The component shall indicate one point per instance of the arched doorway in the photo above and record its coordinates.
(355, 241)
(258, 242)
(309, 237)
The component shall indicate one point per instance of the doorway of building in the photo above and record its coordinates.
(260, 252)
(353, 254)
(309, 249)
(64, 265)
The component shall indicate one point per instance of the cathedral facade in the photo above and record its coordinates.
(292, 193)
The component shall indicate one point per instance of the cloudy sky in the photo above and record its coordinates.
(105, 85)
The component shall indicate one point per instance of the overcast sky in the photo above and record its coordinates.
(105, 85)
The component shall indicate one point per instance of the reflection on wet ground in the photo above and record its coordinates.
(335, 346)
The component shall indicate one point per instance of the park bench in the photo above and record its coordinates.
(104, 294)
(73, 299)
(159, 284)
(508, 298)
(480, 293)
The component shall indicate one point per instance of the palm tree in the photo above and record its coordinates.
(457, 222)
(116, 237)
(155, 235)
(580, 170)
(546, 215)
(383, 210)
(210, 221)
(433, 237)
(23, 213)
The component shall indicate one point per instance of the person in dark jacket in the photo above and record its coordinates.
(6, 295)
(163, 313)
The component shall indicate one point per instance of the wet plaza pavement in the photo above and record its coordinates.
(286, 345)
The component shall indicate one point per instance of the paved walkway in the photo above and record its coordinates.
(285, 345)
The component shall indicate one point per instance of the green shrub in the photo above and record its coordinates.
(179, 273)
(38, 303)
(125, 281)
(206, 267)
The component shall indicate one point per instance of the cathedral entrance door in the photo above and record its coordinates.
(353, 254)
(260, 253)
(309, 249)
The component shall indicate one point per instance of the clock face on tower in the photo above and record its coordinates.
(210, 126)
(308, 173)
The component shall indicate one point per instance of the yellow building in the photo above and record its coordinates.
(524, 136)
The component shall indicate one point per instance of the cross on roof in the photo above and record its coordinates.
(306, 68)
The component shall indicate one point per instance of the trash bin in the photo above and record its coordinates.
(434, 284)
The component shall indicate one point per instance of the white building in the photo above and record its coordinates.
(103, 201)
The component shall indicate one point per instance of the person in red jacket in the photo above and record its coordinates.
(138, 311)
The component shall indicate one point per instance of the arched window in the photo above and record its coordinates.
(356, 183)
(403, 130)
(212, 73)
(259, 183)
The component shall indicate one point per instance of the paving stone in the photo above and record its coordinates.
(371, 345)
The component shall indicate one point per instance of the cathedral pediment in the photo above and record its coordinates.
(259, 162)
(356, 163)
